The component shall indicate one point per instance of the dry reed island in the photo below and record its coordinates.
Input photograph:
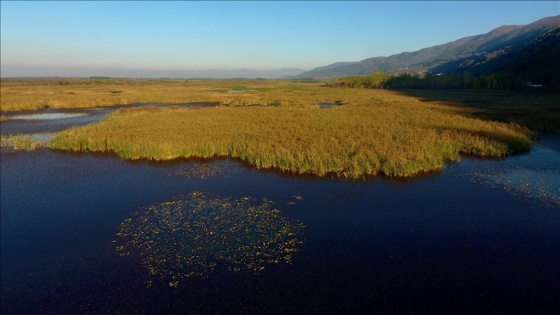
(280, 124)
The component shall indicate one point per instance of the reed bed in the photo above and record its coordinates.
(373, 132)
(87, 93)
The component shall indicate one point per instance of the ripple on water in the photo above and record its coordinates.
(543, 185)
(535, 175)
(193, 235)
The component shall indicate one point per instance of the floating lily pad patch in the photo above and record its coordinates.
(204, 170)
(195, 234)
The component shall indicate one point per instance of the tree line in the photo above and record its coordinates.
(494, 81)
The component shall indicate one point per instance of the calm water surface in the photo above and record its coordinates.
(482, 236)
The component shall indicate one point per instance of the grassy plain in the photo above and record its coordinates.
(372, 132)
(21, 94)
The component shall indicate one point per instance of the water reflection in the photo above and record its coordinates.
(535, 175)
(47, 116)
(329, 105)
(49, 120)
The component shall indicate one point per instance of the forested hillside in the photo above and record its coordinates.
(507, 57)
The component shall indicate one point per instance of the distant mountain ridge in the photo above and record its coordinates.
(284, 73)
(223, 74)
(457, 56)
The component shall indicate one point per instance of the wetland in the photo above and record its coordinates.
(87, 231)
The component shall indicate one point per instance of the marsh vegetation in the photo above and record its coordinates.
(33, 94)
(361, 132)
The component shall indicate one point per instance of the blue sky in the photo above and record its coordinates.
(91, 38)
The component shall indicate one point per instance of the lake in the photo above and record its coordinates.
(90, 233)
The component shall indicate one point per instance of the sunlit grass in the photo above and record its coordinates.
(87, 93)
(373, 132)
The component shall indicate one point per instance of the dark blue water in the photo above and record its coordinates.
(475, 238)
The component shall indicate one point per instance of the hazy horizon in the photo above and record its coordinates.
(173, 39)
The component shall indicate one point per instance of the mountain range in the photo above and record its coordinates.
(284, 73)
(531, 50)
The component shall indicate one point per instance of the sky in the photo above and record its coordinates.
(128, 38)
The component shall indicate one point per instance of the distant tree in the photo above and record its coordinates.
(381, 80)
(377, 80)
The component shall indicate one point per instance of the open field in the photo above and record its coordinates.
(373, 131)
(21, 94)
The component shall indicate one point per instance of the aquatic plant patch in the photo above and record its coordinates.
(195, 234)
(207, 169)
